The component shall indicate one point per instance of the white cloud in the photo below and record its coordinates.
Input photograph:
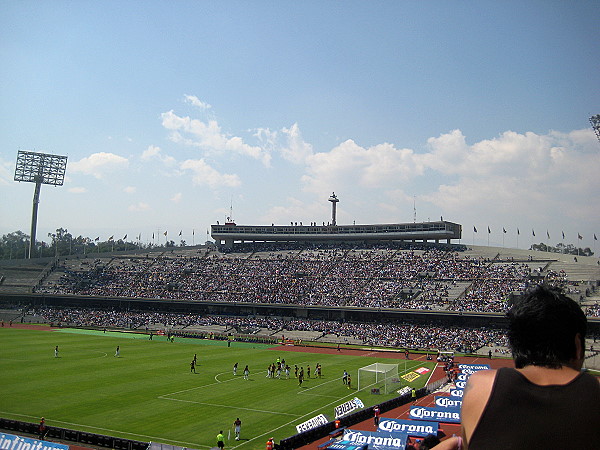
(528, 175)
(139, 207)
(6, 172)
(207, 175)
(130, 189)
(77, 190)
(195, 101)
(209, 137)
(98, 164)
(296, 150)
(177, 197)
(296, 210)
(348, 164)
(154, 152)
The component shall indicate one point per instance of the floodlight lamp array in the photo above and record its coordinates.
(40, 168)
(595, 121)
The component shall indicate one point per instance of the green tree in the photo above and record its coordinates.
(14, 245)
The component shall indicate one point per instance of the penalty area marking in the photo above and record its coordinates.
(305, 390)
(231, 407)
(310, 414)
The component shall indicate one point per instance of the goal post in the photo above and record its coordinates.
(378, 376)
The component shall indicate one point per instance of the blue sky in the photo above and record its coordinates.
(172, 112)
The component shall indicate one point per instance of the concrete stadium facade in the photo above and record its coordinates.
(441, 231)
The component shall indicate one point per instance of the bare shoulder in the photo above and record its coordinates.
(475, 398)
(481, 379)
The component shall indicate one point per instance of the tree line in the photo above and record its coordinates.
(15, 245)
(568, 249)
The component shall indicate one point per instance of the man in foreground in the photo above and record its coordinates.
(546, 401)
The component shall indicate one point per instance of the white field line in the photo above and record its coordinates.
(305, 391)
(232, 407)
(307, 415)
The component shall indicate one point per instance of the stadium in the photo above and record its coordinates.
(101, 344)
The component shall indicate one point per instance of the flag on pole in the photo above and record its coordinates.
(180, 232)
(580, 237)
(111, 238)
(563, 233)
(165, 233)
(124, 237)
(97, 239)
(489, 231)
(532, 231)
(474, 229)
(595, 238)
(548, 234)
(518, 231)
(504, 230)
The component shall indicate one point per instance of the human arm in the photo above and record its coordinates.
(475, 397)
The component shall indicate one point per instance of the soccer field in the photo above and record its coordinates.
(149, 394)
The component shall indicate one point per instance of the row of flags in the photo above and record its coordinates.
(139, 237)
(579, 236)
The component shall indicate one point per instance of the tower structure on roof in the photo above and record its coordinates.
(334, 200)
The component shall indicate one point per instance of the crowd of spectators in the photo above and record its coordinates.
(371, 334)
(430, 279)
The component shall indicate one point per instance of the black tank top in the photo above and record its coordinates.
(523, 415)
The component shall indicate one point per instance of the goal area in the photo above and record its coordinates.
(378, 377)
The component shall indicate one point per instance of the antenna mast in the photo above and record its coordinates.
(414, 209)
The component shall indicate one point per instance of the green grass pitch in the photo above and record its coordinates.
(149, 394)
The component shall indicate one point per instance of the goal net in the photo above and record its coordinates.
(378, 376)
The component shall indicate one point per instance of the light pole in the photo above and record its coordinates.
(39, 168)
(595, 121)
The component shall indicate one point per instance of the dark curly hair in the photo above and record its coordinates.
(543, 324)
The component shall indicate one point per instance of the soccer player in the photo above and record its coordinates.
(56, 351)
(117, 351)
(235, 369)
(237, 426)
(246, 372)
(349, 381)
(308, 371)
(345, 377)
(193, 366)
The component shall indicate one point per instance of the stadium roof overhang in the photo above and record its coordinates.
(423, 231)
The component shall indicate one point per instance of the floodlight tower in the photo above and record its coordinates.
(39, 168)
(333, 199)
(595, 121)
